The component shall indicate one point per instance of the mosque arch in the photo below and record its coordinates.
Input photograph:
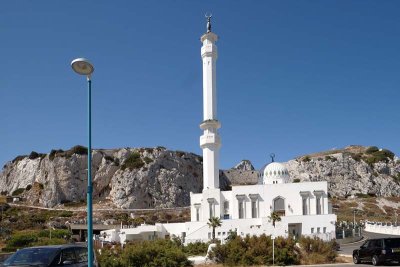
(278, 204)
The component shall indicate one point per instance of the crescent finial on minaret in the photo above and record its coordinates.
(272, 155)
(208, 17)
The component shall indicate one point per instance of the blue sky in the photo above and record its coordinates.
(293, 77)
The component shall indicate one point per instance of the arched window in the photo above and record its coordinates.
(279, 205)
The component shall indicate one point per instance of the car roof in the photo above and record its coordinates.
(60, 246)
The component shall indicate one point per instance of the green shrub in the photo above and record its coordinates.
(197, 248)
(28, 187)
(379, 156)
(316, 251)
(21, 240)
(33, 155)
(296, 180)
(80, 150)
(18, 192)
(54, 153)
(357, 157)
(179, 153)
(108, 158)
(147, 160)
(145, 254)
(133, 162)
(256, 250)
(306, 159)
(333, 159)
(371, 149)
(57, 233)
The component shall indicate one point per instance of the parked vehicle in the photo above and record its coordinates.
(73, 255)
(378, 251)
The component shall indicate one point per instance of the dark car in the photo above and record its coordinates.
(48, 256)
(378, 251)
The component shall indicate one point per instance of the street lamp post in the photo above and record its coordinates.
(83, 67)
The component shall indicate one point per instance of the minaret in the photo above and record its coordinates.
(210, 141)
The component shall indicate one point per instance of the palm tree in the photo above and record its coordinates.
(274, 217)
(213, 223)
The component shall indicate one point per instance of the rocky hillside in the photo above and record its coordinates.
(157, 177)
(354, 170)
(130, 178)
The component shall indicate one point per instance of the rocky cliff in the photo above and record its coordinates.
(157, 177)
(351, 171)
(130, 178)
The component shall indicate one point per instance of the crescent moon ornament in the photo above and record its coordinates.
(208, 17)
(272, 155)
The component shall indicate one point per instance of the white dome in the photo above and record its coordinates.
(275, 172)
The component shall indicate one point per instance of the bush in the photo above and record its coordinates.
(28, 187)
(33, 155)
(80, 150)
(147, 160)
(371, 149)
(133, 162)
(54, 153)
(306, 159)
(197, 248)
(357, 157)
(379, 156)
(57, 233)
(316, 251)
(333, 159)
(256, 251)
(296, 180)
(145, 254)
(18, 192)
(108, 158)
(21, 240)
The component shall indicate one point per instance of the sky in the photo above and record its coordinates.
(293, 77)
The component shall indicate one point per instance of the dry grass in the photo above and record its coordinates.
(344, 259)
(370, 208)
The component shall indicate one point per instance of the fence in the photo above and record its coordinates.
(348, 234)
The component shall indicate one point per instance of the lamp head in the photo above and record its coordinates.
(82, 66)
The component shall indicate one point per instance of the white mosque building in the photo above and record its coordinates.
(303, 207)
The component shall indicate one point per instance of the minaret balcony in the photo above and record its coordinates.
(210, 140)
(210, 124)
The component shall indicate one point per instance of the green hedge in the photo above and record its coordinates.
(255, 250)
(159, 253)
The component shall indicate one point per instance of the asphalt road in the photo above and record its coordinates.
(348, 248)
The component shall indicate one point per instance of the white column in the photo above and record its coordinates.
(210, 141)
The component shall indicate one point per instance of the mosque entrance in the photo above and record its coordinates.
(295, 230)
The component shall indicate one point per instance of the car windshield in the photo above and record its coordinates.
(392, 243)
(31, 257)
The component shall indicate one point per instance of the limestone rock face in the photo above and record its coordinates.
(346, 171)
(349, 176)
(244, 165)
(156, 178)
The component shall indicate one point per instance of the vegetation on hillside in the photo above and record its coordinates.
(369, 155)
(133, 161)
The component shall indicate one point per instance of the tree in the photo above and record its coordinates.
(213, 223)
(274, 217)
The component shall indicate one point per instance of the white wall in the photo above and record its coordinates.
(381, 228)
